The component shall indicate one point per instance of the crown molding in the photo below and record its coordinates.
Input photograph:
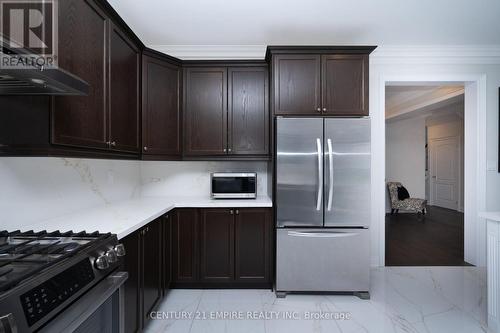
(213, 52)
(385, 54)
(436, 54)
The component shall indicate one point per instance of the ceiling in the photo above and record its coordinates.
(406, 101)
(274, 22)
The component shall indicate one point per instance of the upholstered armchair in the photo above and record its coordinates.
(412, 204)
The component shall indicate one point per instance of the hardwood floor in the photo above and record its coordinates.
(436, 239)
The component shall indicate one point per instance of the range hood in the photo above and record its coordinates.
(37, 80)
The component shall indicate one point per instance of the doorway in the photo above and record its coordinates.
(424, 224)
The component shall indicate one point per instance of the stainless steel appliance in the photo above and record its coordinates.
(234, 185)
(323, 205)
(60, 282)
(36, 79)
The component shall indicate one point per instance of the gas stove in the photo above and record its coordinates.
(42, 273)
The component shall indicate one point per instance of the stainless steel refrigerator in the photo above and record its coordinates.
(323, 205)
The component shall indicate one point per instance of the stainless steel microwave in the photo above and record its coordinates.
(234, 185)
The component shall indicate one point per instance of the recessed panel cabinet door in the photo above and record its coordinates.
(161, 112)
(124, 93)
(297, 84)
(82, 120)
(132, 290)
(152, 266)
(248, 115)
(252, 244)
(205, 105)
(345, 85)
(185, 246)
(217, 245)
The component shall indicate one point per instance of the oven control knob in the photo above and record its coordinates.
(120, 250)
(111, 255)
(101, 262)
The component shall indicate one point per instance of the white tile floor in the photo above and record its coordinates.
(403, 299)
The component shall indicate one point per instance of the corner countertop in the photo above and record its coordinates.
(124, 217)
(492, 216)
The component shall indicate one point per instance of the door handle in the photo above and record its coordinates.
(320, 173)
(321, 234)
(330, 166)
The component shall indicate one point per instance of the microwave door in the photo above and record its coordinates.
(299, 172)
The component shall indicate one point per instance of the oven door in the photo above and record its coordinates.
(98, 310)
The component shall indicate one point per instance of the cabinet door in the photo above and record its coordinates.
(297, 84)
(124, 88)
(151, 267)
(345, 85)
(161, 112)
(132, 288)
(185, 246)
(167, 252)
(217, 245)
(248, 111)
(252, 245)
(82, 120)
(205, 105)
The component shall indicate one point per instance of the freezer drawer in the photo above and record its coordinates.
(329, 260)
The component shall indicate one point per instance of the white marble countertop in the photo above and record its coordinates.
(124, 217)
(492, 216)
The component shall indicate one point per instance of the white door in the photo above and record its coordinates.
(444, 166)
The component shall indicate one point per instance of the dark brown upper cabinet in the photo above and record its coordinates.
(217, 245)
(320, 80)
(124, 91)
(83, 45)
(297, 84)
(248, 111)
(205, 108)
(94, 48)
(161, 108)
(344, 84)
(226, 112)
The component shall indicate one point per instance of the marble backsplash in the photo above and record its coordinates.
(38, 188)
(187, 178)
(33, 189)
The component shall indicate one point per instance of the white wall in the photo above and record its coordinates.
(37, 188)
(192, 178)
(405, 155)
(431, 64)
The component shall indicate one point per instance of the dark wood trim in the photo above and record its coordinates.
(162, 56)
(317, 49)
(224, 63)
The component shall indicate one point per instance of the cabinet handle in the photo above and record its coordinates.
(229, 150)
(113, 143)
(324, 109)
(108, 143)
(225, 150)
(237, 212)
(145, 148)
(231, 212)
(318, 109)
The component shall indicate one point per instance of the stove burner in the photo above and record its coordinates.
(23, 254)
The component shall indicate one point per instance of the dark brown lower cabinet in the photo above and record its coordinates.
(253, 228)
(167, 252)
(152, 289)
(222, 248)
(143, 261)
(217, 245)
(185, 246)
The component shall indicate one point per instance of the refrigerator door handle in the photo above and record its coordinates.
(320, 173)
(330, 166)
(332, 234)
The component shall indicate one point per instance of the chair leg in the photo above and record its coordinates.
(397, 211)
(392, 211)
